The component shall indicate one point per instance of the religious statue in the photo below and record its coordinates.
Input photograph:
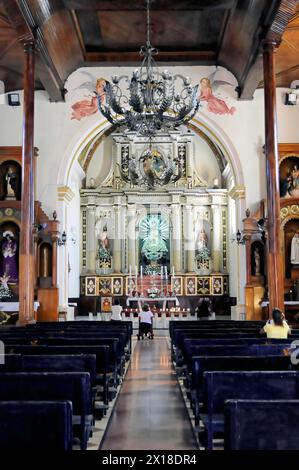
(104, 251)
(257, 262)
(8, 256)
(10, 179)
(201, 244)
(4, 289)
(154, 246)
(295, 248)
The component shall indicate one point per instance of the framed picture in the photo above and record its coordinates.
(190, 285)
(177, 285)
(106, 304)
(91, 286)
(117, 286)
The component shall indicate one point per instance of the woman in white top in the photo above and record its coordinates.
(116, 311)
(145, 325)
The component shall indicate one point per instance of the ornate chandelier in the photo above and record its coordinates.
(152, 168)
(156, 101)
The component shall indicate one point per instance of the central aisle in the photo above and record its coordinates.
(150, 412)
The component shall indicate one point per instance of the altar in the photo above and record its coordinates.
(14, 306)
(150, 300)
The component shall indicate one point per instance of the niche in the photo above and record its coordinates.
(45, 264)
(257, 259)
(10, 181)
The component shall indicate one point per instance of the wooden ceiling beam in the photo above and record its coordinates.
(252, 78)
(133, 58)
(27, 30)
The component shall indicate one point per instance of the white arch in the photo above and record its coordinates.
(214, 132)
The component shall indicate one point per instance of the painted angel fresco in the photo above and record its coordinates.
(89, 106)
(209, 85)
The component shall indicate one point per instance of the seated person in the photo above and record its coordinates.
(145, 322)
(276, 328)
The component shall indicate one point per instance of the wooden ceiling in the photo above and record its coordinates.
(74, 33)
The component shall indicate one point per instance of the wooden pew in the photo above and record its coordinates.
(261, 425)
(31, 425)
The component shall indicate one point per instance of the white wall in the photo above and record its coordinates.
(56, 136)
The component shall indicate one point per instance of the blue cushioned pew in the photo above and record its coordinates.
(102, 360)
(30, 425)
(222, 386)
(261, 425)
(53, 386)
(202, 364)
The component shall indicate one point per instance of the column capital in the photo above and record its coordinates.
(65, 194)
(237, 192)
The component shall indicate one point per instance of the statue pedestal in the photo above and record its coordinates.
(294, 272)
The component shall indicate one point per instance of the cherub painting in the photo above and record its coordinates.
(214, 105)
(89, 106)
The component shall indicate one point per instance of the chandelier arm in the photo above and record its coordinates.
(135, 97)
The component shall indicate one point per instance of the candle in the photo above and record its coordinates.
(173, 271)
(161, 272)
(130, 272)
(165, 267)
(136, 270)
(141, 271)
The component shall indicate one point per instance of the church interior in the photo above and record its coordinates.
(149, 225)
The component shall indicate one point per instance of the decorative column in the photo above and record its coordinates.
(117, 239)
(91, 249)
(275, 260)
(131, 231)
(26, 279)
(65, 195)
(189, 239)
(216, 238)
(176, 238)
(54, 238)
(237, 253)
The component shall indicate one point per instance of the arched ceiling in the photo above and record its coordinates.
(77, 33)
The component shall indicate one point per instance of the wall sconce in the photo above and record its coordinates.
(239, 238)
(62, 241)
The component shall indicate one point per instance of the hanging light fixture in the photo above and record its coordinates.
(152, 168)
(156, 101)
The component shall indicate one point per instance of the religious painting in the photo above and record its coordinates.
(91, 286)
(190, 285)
(131, 285)
(154, 243)
(177, 285)
(9, 252)
(117, 286)
(105, 285)
(96, 89)
(289, 177)
(217, 285)
(204, 285)
(106, 304)
(208, 92)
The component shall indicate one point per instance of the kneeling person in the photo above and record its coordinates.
(145, 322)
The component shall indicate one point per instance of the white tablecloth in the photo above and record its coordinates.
(14, 306)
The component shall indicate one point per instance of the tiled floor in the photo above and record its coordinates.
(150, 412)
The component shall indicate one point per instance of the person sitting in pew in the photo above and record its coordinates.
(276, 328)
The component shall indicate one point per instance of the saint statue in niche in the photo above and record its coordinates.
(257, 262)
(295, 248)
(10, 179)
(8, 256)
(201, 245)
(104, 249)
